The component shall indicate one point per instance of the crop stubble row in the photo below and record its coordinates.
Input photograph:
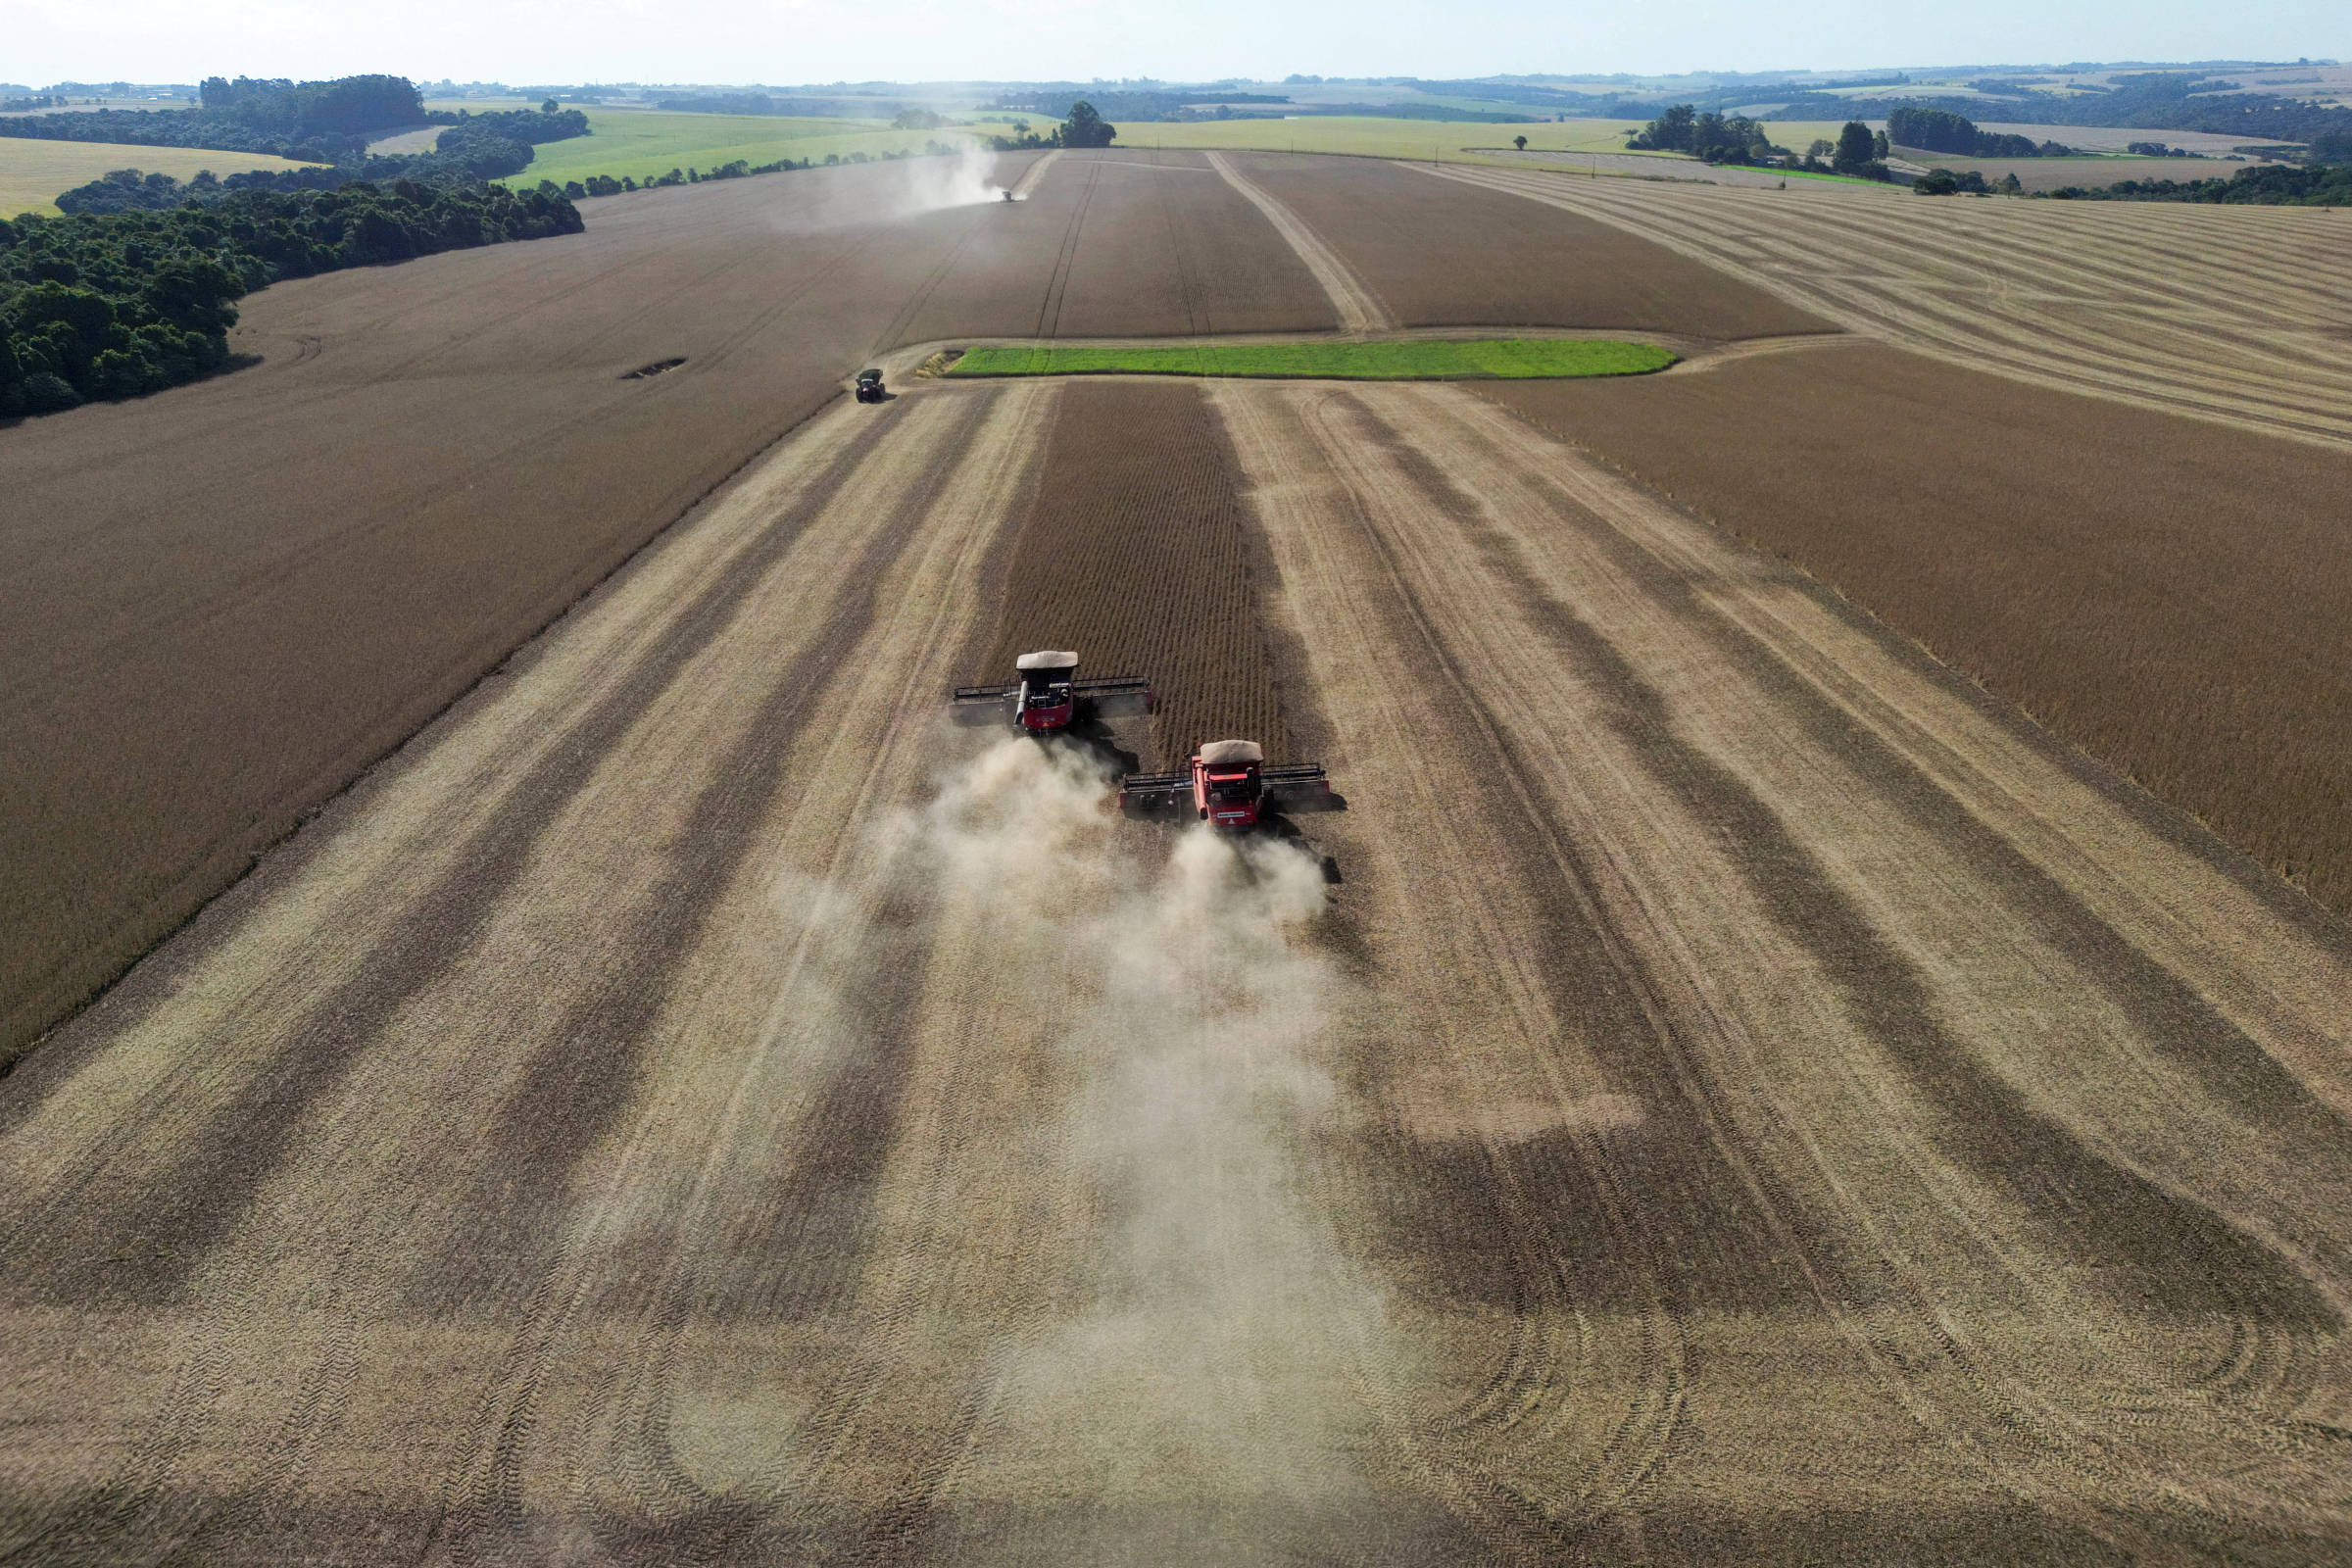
(2235, 314)
(2164, 592)
(1825, 1061)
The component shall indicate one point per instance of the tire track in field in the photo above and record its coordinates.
(1058, 282)
(1359, 308)
(1188, 284)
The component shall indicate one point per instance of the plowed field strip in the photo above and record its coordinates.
(2237, 327)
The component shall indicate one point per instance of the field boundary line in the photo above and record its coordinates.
(1359, 308)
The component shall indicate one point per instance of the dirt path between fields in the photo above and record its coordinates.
(1360, 310)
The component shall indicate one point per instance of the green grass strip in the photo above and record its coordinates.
(1423, 359)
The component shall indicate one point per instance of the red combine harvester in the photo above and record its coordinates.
(1049, 698)
(1229, 786)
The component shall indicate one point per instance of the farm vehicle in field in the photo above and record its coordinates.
(870, 386)
(1228, 785)
(1049, 698)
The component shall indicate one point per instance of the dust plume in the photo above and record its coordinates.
(958, 180)
(1210, 1378)
(892, 190)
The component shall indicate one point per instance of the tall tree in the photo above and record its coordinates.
(1086, 128)
(1855, 144)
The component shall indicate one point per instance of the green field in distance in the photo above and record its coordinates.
(32, 173)
(1415, 359)
(644, 143)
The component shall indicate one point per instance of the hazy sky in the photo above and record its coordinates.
(825, 40)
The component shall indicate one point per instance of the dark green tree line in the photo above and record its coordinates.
(1939, 130)
(1716, 137)
(1086, 128)
(2263, 185)
(118, 304)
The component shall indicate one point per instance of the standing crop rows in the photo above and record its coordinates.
(1436, 253)
(1123, 244)
(1136, 555)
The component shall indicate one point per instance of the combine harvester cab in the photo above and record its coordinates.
(1228, 786)
(1049, 697)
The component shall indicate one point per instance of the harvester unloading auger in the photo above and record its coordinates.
(1049, 698)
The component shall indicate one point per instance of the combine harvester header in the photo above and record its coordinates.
(1228, 786)
(1049, 697)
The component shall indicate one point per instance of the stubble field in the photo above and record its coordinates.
(1751, 1096)
(2233, 314)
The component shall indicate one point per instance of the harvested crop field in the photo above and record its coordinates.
(1412, 358)
(2233, 314)
(1439, 254)
(1749, 1099)
(2164, 592)
(227, 599)
(283, 571)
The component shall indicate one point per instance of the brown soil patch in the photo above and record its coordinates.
(1135, 244)
(1441, 254)
(2159, 591)
(1135, 553)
